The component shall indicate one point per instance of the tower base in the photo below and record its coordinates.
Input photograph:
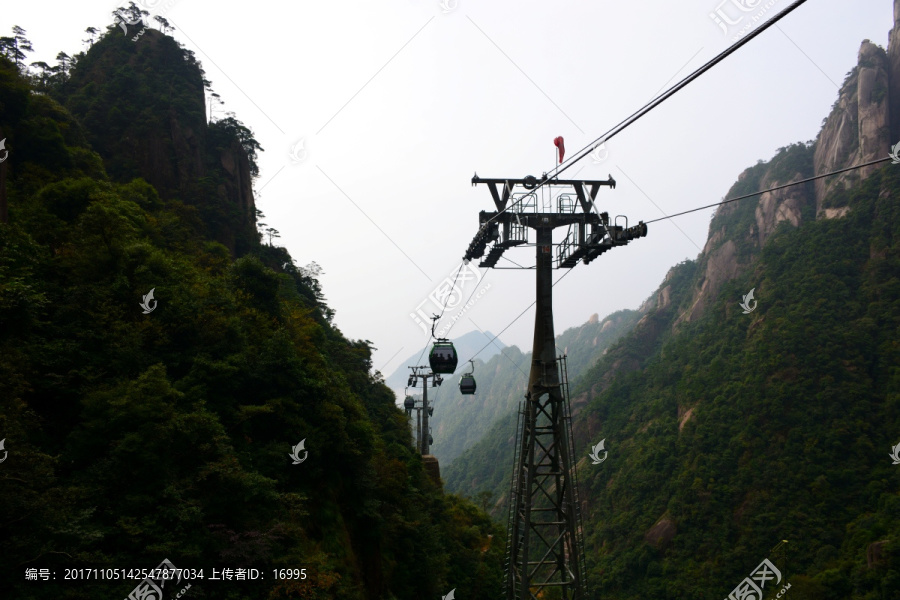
(432, 468)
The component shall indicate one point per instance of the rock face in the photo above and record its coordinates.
(660, 535)
(777, 206)
(859, 127)
(166, 140)
(893, 57)
(862, 123)
(684, 416)
(663, 299)
(875, 553)
(237, 188)
(721, 266)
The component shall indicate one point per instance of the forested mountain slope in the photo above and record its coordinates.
(728, 430)
(138, 433)
(741, 430)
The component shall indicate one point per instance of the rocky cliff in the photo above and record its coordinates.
(863, 121)
(894, 68)
(162, 134)
(858, 128)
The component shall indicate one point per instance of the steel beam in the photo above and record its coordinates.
(543, 549)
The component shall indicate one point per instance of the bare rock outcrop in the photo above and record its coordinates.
(664, 297)
(893, 59)
(721, 266)
(781, 205)
(859, 126)
(858, 130)
(661, 534)
(875, 553)
(238, 186)
(684, 415)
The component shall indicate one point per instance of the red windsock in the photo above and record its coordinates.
(558, 142)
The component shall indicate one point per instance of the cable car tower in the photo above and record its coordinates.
(423, 439)
(545, 555)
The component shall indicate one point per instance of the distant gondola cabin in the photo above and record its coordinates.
(467, 384)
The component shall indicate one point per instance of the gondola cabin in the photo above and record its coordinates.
(467, 381)
(467, 384)
(443, 357)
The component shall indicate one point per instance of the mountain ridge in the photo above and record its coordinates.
(136, 434)
(695, 390)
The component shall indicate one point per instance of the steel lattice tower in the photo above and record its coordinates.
(423, 443)
(545, 545)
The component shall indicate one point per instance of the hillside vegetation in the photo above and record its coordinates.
(134, 435)
(728, 432)
(741, 430)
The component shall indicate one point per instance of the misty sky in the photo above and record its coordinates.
(375, 115)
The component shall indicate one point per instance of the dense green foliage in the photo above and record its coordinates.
(795, 408)
(732, 432)
(160, 133)
(135, 437)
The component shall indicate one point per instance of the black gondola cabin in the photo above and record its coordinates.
(467, 381)
(467, 384)
(443, 357)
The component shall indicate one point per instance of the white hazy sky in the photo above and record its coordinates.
(397, 104)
